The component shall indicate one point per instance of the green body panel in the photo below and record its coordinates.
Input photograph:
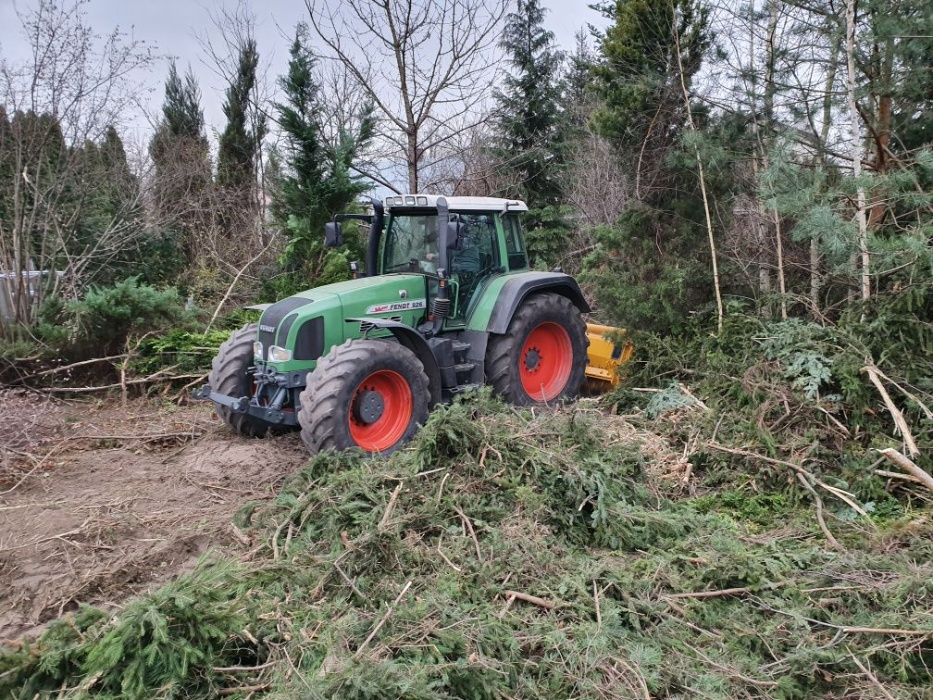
(481, 308)
(399, 296)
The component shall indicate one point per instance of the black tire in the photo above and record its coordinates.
(504, 352)
(328, 398)
(229, 376)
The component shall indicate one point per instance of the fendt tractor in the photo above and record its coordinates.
(446, 302)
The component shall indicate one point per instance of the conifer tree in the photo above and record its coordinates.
(314, 181)
(528, 121)
(242, 137)
(529, 131)
(181, 156)
(651, 269)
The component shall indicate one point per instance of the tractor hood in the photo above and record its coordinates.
(295, 332)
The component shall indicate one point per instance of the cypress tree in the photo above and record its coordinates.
(240, 141)
(181, 156)
(313, 180)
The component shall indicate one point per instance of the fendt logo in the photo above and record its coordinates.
(396, 306)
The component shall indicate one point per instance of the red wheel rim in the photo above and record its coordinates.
(387, 394)
(545, 362)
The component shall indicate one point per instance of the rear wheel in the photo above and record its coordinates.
(230, 375)
(369, 394)
(541, 359)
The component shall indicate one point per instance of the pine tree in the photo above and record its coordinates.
(314, 181)
(242, 138)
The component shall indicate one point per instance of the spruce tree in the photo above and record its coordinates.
(651, 269)
(528, 115)
(314, 181)
(528, 125)
(242, 137)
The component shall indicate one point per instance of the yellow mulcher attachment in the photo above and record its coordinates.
(606, 355)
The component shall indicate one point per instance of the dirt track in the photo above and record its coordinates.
(98, 501)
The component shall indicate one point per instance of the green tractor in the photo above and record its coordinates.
(446, 302)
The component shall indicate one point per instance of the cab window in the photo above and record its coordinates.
(411, 244)
(514, 243)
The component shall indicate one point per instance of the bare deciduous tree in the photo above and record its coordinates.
(71, 87)
(427, 66)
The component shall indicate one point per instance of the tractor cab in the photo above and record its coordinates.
(456, 242)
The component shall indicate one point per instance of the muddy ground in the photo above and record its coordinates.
(99, 501)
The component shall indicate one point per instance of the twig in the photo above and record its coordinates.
(469, 526)
(235, 669)
(689, 393)
(900, 423)
(381, 622)
(349, 581)
(871, 676)
(833, 542)
(720, 593)
(599, 614)
(533, 599)
(444, 557)
(908, 465)
(390, 507)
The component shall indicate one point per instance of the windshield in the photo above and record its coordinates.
(411, 244)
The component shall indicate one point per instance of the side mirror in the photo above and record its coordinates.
(333, 235)
(454, 235)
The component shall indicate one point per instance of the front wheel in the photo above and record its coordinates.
(370, 394)
(541, 359)
(230, 375)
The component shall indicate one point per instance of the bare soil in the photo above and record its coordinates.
(99, 501)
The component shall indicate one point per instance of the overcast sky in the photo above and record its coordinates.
(172, 27)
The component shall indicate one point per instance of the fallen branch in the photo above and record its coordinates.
(157, 377)
(908, 465)
(900, 423)
(843, 496)
(382, 621)
(65, 368)
(533, 599)
(833, 542)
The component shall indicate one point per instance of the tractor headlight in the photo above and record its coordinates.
(422, 201)
(277, 354)
(257, 349)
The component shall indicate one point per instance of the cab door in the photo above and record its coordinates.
(473, 260)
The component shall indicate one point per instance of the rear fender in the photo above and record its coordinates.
(519, 287)
(411, 339)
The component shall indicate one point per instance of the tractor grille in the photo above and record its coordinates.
(367, 326)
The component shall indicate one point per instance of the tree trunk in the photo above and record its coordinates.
(696, 148)
(860, 213)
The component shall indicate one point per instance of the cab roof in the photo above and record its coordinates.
(455, 203)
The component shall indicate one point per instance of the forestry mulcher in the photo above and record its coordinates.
(446, 302)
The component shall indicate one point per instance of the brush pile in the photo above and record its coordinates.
(508, 555)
